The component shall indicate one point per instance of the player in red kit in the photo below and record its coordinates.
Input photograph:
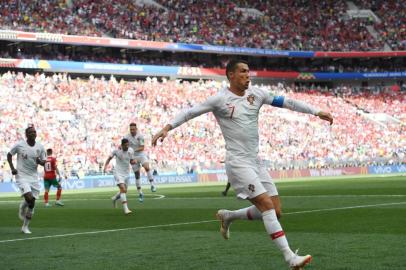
(50, 172)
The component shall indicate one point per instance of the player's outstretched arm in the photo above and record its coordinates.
(298, 106)
(161, 135)
(325, 116)
(208, 106)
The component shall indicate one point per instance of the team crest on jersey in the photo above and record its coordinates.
(251, 187)
(251, 99)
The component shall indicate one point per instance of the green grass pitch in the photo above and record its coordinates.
(349, 223)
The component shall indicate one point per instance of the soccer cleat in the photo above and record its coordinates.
(127, 212)
(222, 215)
(141, 197)
(224, 193)
(153, 188)
(47, 205)
(25, 230)
(297, 262)
(59, 203)
(21, 211)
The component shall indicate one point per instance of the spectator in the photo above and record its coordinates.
(85, 116)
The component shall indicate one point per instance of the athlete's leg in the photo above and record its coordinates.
(123, 197)
(264, 204)
(58, 193)
(30, 204)
(147, 169)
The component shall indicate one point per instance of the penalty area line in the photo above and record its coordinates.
(190, 223)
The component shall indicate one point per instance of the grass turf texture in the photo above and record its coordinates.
(338, 236)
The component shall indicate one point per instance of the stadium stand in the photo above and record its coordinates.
(294, 25)
(88, 117)
(392, 28)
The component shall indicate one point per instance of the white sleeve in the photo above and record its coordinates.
(205, 107)
(291, 104)
(300, 106)
(14, 149)
(114, 153)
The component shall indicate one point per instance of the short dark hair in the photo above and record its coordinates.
(123, 141)
(133, 124)
(29, 126)
(49, 151)
(232, 65)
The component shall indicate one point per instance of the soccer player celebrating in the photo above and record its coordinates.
(29, 154)
(236, 110)
(50, 172)
(124, 157)
(137, 144)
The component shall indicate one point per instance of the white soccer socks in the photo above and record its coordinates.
(117, 196)
(27, 218)
(151, 181)
(22, 209)
(123, 198)
(138, 184)
(250, 213)
(274, 229)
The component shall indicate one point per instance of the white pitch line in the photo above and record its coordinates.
(189, 223)
(159, 196)
(106, 231)
(155, 197)
(343, 208)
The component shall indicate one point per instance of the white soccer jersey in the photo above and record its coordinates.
(123, 158)
(238, 117)
(26, 160)
(135, 142)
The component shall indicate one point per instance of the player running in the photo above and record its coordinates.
(29, 154)
(50, 172)
(124, 157)
(137, 144)
(236, 110)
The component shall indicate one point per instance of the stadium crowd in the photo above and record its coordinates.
(393, 16)
(282, 25)
(83, 120)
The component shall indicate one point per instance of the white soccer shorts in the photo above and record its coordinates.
(249, 179)
(26, 187)
(141, 159)
(121, 179)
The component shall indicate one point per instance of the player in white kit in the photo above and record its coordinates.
(137, 144)
(29, 154)
(236, 110)
(124, 157)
